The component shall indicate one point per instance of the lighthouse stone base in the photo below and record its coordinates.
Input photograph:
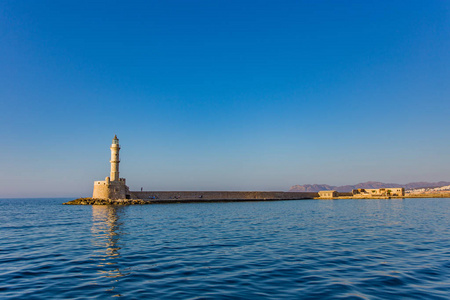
(111, 189)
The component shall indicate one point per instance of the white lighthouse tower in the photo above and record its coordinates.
(115, 159)
(113, 187)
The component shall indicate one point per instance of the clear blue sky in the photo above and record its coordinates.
(222, 95)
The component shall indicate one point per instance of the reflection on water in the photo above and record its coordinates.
(311, 249)
(106, 233)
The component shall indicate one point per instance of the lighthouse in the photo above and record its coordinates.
(115, 159)
(113, 187)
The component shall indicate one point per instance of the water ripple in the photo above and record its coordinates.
(347, 249)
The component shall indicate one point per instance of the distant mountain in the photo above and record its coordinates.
(365, 185)
(311, 188)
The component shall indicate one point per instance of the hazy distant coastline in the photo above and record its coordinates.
(365, 185)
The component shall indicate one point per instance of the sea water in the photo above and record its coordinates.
(305, 249)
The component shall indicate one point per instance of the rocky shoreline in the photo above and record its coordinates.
(96, 201)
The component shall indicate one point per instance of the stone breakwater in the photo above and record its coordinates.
(221, 195)
(140, 198)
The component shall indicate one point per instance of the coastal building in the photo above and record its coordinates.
(382, 192)
(113, 187)
(328, 194)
